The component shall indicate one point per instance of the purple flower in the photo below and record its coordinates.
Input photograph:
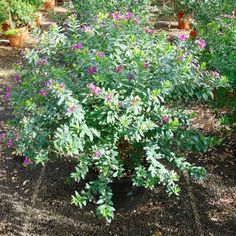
(146, 65)
(128, 15)
(216, 74)
(201, 43)
(136, 20)
(22, 52)
(230, 17)
(47, 83)
(94, 89)
(77, 46)
(17, 78)
(3, 135)
(26, 161)
(149, 31)
(62, 86)
(108, 97)
(43, 92)
(42, 61)
(72, 109)
(165, 119)
(183, 37)
(7, 95)
(119, 69)
(101, 54)
(117, 16)
(91, 70)
(86, 28)
(130, 77)
(9, 143)
(98, 154)
(8, 88)
(194, 65)
(182, 58)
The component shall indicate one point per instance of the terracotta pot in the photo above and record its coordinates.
(49, 4)
(193, 34)
(183, 21)
(5, 27)
(20, 38)
(180, 14)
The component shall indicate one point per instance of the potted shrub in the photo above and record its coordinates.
(20, 15)
(106, 96)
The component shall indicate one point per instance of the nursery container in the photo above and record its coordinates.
(19, 39)
(5, 27)
(193, 34)
(49, 4)
(183, 21)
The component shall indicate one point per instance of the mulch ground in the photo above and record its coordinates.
(36, 200)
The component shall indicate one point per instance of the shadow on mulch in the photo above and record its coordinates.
(216, 196)
(54, 215)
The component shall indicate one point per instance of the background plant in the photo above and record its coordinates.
(86, 10)
(215, 22)
(3, 12)
(206, 12)
(19, 13)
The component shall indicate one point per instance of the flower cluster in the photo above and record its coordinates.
(77, 46)
(42, 61)
(92, 70)
(8, 92)
(95, 90)
(117, 16)
(201, 43)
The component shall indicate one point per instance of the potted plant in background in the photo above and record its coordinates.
(49, 4)
(38, 4)
(20, 15)
(183, 9)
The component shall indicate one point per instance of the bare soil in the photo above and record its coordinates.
(36, 200)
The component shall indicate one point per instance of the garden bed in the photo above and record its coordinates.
(36, 200)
